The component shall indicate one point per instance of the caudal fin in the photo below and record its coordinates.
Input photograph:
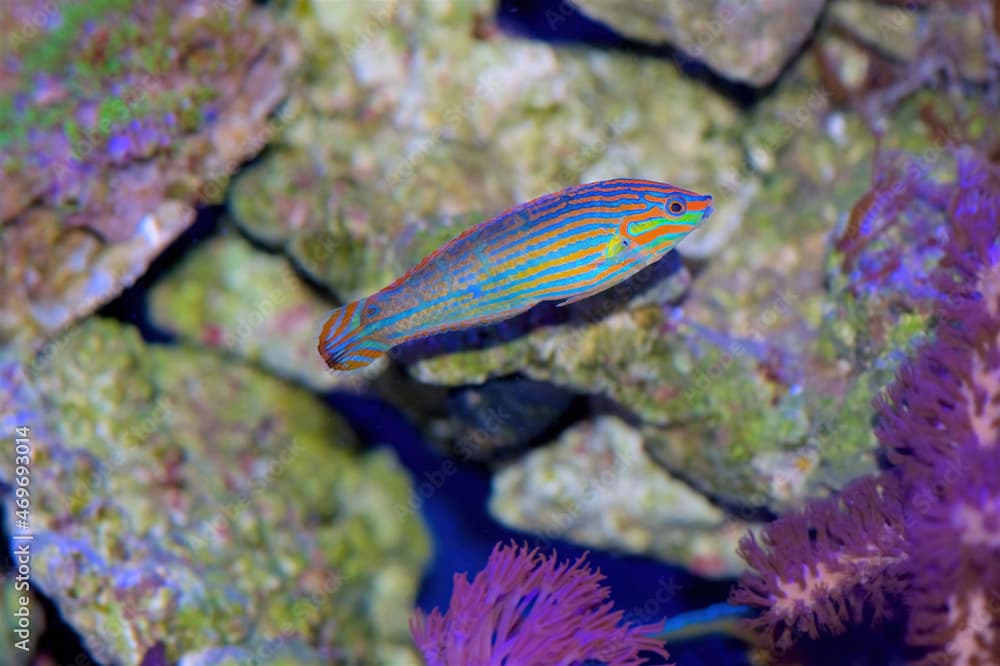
(344, 343)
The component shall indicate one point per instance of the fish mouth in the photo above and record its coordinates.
(708, 209)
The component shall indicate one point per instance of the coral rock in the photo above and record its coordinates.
(186, 500)
(743, 41)
(158, 104)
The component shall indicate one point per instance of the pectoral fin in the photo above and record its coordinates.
(586, 294)
(616, 246)
(620, 249)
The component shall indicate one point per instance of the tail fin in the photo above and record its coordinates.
(345, 344)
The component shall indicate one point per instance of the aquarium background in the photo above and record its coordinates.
(188, 188)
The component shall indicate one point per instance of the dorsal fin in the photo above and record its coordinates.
(514, 212)
(430, 258)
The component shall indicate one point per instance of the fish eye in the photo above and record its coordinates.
(676, 206)
(371, 310)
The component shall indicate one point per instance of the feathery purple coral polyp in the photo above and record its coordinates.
(926, 532)
(528, 609)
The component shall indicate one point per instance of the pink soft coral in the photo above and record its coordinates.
(527, 609)
(821, 568)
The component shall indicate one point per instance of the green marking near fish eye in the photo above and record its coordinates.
(666, 240)
(636, 228)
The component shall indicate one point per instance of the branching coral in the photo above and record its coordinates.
(529, 609)
(928, 528)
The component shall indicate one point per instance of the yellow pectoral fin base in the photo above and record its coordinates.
(621, 248)
(616, 246)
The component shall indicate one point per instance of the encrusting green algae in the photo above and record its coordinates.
(184, 498)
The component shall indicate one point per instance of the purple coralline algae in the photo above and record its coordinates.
(116, 117)
(896, 232)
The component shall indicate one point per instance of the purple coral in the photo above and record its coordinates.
(823, 567)
(931, 534)
(526, 608)
(941, 401)
(941, 425)
(954, 535)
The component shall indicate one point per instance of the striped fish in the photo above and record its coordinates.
(564, 246)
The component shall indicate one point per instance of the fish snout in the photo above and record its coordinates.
(706, 208)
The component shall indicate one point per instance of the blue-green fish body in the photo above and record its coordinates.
(564, 246)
